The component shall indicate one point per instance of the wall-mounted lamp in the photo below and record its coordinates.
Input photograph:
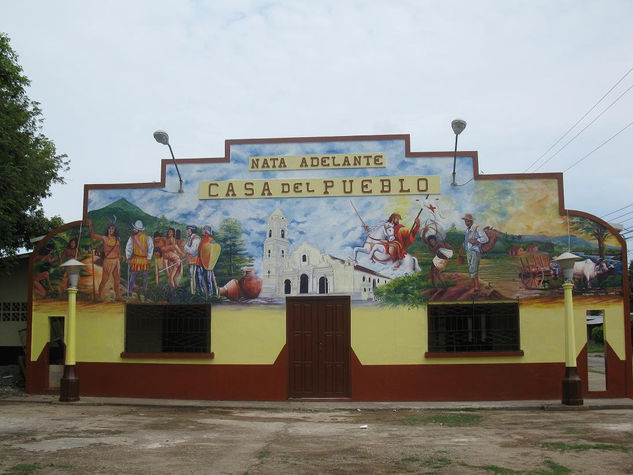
(572, 384)
(69, 384)
(162, 137)
(458, 126)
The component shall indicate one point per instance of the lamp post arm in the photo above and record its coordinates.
(453, 183)
(176, 165)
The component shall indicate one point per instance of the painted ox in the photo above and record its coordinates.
(588, 270)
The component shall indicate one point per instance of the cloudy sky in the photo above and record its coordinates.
(521, 73)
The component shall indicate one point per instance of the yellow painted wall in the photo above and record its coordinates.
(251, 334)
(239, 334)
(385, 336)
(543, 331)
(40, 333)
(382, 335)
(614, 321)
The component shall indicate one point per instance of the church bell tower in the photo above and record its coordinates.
(276, 253)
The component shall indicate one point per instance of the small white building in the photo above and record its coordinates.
(14, 296)
(308, 271)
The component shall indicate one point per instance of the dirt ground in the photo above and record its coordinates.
(58, 438)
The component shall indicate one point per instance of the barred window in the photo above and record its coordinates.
(167, 328)
(473, 328)
(13, 311)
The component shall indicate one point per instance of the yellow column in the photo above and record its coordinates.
(570, 336)
(71, 328)
(69, 384)
(571, 384)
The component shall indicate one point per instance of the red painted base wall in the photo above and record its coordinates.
(477, 382)
(176, 381)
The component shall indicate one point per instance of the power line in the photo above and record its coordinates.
(621, 223)
(599, 146)
(585, 128)
(622, 216)
(580, 120)
(619, 209)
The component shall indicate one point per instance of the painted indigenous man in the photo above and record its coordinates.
(442, 252)
(41, 270)
(191, 253)
(69, 252)
(111, 266)
(173, 256)
(138, 252)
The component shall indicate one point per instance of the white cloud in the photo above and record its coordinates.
(108, 75)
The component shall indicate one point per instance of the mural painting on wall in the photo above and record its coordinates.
(488, 239)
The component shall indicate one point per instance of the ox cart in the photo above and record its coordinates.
(537, 271)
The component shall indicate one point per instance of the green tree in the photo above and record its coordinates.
(29, 164)
(233, 255)
(590, 228)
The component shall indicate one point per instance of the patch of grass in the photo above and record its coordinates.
(413, 420)
(579, 447)
(593, 347)
(434, 461)
(574, 431)
(450, 419)
(552, 469)
(263, 454)
(456, 419)
(23, 468)
(501, 470)
(437, 461)
(61, 466)
(556, 469)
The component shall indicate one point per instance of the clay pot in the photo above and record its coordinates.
(250, 284)
(231, 290)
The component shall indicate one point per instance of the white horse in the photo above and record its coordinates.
(376, 246)
(376, 243)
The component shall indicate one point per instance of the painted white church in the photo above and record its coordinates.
(307, 271)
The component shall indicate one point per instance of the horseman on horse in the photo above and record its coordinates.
(403, 237)
(388, 241)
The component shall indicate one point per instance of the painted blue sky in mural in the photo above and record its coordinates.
(331, 224)
(527, 207)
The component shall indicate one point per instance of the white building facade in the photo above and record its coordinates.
(308, 271)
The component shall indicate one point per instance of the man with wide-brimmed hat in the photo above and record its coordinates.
(473, 240)
(138, 252)
(191, 249)
(208, 254)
